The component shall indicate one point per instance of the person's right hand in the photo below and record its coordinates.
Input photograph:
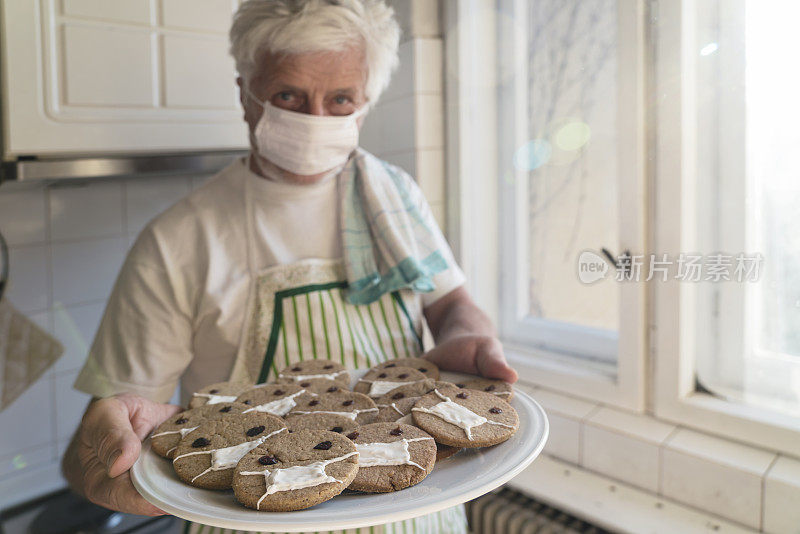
(106, 446)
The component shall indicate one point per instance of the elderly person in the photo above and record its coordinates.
(307, 227)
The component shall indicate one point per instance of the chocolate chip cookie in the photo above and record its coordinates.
(164, 439)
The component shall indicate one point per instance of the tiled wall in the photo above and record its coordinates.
(67, 242)
(756, 488)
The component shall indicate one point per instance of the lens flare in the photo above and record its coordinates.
(532, 155)
(573, 136)
(709, 49)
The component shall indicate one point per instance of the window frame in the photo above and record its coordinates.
(470, 79)
(676, 397)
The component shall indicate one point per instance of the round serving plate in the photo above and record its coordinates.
(460, 478)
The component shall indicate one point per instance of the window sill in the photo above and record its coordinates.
(745, 485)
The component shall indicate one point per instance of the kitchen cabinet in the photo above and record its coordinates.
(118, 77)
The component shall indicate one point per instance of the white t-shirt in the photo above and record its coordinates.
(177, 310)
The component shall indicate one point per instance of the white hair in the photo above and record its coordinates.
(305, 26)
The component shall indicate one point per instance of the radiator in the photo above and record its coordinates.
(505, 511)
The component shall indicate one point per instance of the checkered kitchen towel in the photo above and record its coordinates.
(390, 237)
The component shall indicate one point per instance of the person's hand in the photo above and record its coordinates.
(105, 447)
(474, 354)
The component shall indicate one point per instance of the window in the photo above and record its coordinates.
(749, 187)
(550, 143)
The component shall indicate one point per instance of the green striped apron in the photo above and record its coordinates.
(298, 312)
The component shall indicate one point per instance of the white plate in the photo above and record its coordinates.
(460, 478)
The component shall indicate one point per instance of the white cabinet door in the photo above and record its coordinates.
(114, 76)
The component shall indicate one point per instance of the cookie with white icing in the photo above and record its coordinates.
(391, 457)
(206, 456)
(496, 387)
(429, 369)
(219, 392)
(465, 417)
(412, 389)
(317, 386)
(315, 369)
(397, 410)
(340, 424)
(355, 406)
(378, 382)
(275, 399)
(164, 439)
(445, 451)
(295, 471)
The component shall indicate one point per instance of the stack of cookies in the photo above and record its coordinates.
(304, 439)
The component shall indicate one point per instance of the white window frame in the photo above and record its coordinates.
(473, 209)
(676, 230)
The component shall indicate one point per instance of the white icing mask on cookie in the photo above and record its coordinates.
(382, 387)
(278, 407)
(351, 415)
(296, 477)
(216, 399)
(393, 453)
(228, 457)
(297, 378)
(181, 431)
(393, 405)
(458, 415)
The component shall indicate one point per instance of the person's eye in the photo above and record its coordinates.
(342, 100)
(286, 96)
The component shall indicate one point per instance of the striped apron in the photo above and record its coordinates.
(298, 312)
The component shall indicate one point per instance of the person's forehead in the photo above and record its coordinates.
(329, 70)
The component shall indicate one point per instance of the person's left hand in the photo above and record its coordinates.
(475, 354)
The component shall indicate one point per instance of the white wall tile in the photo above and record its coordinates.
(84, 271)
(405, 160)
(425, 18)
(69, 405)
(28, 282)
(88, 210)
(621, 457)
(428, 65)
(638, 426)
(430, 174)
(720, 489)
(782, 497)
(75, 327)
(429, 116)
(402, 83)
(388, 128)
(22, 215)
(32, 411)
(564, 438)
(147, 197)
(561, 404)
(26, 459)
(722, 451)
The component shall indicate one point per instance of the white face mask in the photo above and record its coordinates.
(305, 144)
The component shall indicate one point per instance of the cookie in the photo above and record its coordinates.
(315, 369)
(391, 457)
(496, 387)
(429, 369)
(316, 386)
(206, 456)
(378, 382)
(445, 451)
(412, 389)
(164, 439)
(219, 392)
(355, 406)
(465, 418)
(398, 410)
(321, 421)
(295, 471)
(275, 399)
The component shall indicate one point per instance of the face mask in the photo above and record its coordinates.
(305, 144)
